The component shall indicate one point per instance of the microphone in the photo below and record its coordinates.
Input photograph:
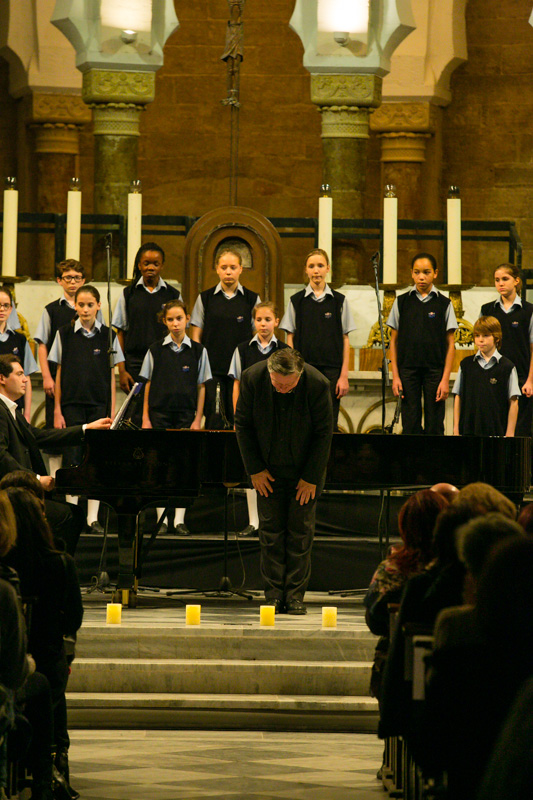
(375, 257)
(108, 239)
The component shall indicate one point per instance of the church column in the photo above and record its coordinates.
(117, 99)
(55, 122)
(406, 130)
(344, 102)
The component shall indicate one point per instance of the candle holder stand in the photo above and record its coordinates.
(370, 356)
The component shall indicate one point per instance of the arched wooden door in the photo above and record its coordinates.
(245, 230)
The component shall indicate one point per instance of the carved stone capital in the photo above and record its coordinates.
(403, 146)
(66, 109)
(344, 122)
(56, 137)
(110, 86)
(404, 117)
(116, 119)
(346, 90)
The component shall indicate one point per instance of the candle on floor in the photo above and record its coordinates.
(72, 247)
(454, 236)
(192, 615)
(329, 617)
(390, 235)
(114, 613)
(9, 230)
(267, 616)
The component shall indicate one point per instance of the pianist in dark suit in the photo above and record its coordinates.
(19, 449)
(284, 425)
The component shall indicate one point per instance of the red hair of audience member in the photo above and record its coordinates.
(525, 519)
(416, 522)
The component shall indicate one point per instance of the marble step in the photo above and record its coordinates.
(222, 676)
(282, 644)
(221, 711)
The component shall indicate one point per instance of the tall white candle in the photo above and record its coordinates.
(9, 230)
(72, 249)
(135, 208)
(390, 238)
(325, 224)
(454, 236)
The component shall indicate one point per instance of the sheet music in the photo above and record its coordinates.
(125, 406)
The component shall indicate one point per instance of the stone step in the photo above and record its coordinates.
(99, 641)
(220, 676)
(219, 711)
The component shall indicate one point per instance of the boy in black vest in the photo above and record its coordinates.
(422, 347)
(486, 390)
(318, 321)
(222, 319)
(70, 275)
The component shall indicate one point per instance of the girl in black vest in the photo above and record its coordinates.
(175, 370)
(318, 321)
(262, 345)
(516, 318)
(222, 319)
(85, 384)
(14, 343)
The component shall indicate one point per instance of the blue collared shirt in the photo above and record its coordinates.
(204, 368)
(235, 368)
(120, 315)
(393, 320)
(42, 334)
(517, 303)
(513, 385)
(288, 323)
(198, 312)
(56, 351)
(29, 365)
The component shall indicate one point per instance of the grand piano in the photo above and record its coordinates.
(131, 469)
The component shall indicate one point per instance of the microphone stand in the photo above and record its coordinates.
(385, 380)
(102, 582)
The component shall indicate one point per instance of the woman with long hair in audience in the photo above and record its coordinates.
(50, 579)
(416, 522)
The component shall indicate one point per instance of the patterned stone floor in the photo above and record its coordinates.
(188, 765)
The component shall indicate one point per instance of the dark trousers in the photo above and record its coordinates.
(333, 375)
(79, 415)
(286, 531)
(418, 383)
(525, 412)
(164, 420)
(133, 366)
(67, 521)
(57, 671)
(214, 419)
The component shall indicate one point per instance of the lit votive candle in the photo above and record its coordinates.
(267, 616)
(114, 613)
(329, 617)
(192, 615)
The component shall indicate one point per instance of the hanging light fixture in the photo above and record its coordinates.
(346, 21)
(129, 16)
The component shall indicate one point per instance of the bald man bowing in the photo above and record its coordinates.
(284, 424)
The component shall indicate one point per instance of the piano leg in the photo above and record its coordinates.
(127, 559)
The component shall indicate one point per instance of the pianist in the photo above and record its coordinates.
(284, 424)
(19, 449)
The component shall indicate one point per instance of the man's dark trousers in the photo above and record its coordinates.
(286, 531)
